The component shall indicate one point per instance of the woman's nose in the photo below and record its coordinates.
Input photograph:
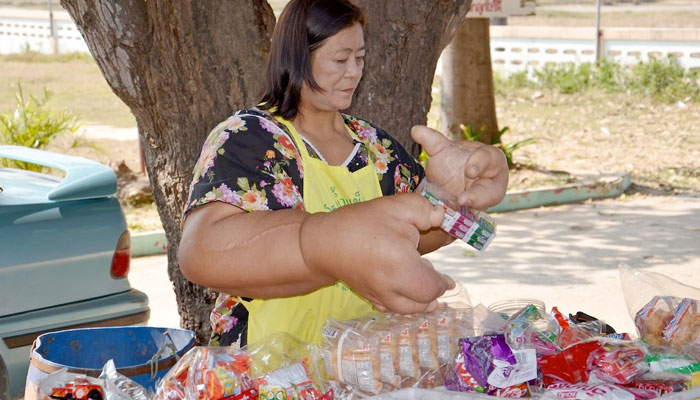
(354, 69)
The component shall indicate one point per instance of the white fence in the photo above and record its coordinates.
(30, 31)
(513, 48)
(516, 48)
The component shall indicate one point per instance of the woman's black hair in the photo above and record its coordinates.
(301, 29)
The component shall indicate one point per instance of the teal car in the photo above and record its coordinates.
(64, 256)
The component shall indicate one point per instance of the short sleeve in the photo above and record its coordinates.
(249, 162)
(398, 171)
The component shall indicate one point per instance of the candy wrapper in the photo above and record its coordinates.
(474, 227)
(491, 362)
(457, 378)
(208, 373)
(617, 363)
(569, 365)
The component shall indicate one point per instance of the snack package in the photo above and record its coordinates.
(292, 382)
(660, 387)
(457, 378)
(218, 372)
(66, 385)
(617, 363)
(352, 356)
(388, 338)
(208, 373)
(408, 350)
(682, 332)
(474, 227)
(491, 362)
(281, 350)
(651, 320)
(572, 333)
(569, 365)
(426, 341)
(584, 391)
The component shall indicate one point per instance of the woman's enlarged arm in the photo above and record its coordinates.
(253, 254)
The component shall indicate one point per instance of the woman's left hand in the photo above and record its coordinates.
(475, 173)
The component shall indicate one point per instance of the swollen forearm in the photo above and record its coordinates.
(249, 254)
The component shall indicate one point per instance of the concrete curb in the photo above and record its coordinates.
(594, 187)
(148, 244)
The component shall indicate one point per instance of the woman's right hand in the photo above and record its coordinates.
(372, 246)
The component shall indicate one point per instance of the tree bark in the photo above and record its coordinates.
(404, 39)
(181, 67)
(467, 82)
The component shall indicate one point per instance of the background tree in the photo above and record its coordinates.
(467, 82)
(183, 66)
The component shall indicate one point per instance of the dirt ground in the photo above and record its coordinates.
(580, 134)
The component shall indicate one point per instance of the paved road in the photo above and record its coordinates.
(566, 256)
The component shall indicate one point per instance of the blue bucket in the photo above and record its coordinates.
(85, 351)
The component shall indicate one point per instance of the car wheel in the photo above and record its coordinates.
(94, 395)
(4, 381)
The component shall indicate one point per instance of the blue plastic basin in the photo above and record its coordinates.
(86, 351)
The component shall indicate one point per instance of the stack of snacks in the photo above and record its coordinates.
(351, 356)
(386, 352)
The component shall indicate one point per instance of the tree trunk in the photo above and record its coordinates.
(467, 82)
(181, 67)
(404, 40)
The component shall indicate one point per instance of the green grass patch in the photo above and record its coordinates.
(74, 79)
(662, 79)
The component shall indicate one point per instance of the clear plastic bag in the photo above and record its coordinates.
(666, 312)
(208, 373)
(639, 287)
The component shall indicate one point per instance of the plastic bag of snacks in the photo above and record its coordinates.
(66, 385)
(385, 352)
(208, 373)
(111, 385)
(488, 364)
(287, 367)
(352, 356)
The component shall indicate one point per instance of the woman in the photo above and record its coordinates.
(293, 215)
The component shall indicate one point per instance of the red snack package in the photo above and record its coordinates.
(569, 365)
(660, 387)
(571, 333)
(617, 363)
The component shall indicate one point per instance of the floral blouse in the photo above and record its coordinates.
(250, 161)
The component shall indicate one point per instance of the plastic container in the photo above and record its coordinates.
(85, 351)
(507, 308)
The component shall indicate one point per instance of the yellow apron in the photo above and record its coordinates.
(326, 187)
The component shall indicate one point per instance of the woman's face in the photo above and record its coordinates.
(337, 68)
